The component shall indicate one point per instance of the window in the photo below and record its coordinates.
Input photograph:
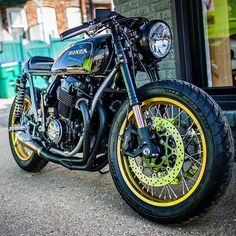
(47, 18)
(197, 57)
(95, 8)
(17, 22)
(74, 17)
(219, 18)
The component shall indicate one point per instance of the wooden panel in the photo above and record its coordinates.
(221, 62)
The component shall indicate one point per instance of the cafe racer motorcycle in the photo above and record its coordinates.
(168, 144)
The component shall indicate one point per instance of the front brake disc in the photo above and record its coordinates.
(162, 170)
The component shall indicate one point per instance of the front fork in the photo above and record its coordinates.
(148, 148)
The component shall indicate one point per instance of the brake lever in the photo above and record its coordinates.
(94, 28)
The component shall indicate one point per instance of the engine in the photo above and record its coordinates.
(64, 123)
(67, 95)
(58, 130)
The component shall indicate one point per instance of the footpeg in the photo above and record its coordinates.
(18, 128)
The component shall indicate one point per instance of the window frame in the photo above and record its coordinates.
(42, 22)
(23, 14)
(191, 64)
(68, 14)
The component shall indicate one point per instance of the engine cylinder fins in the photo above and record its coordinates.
(66, 104)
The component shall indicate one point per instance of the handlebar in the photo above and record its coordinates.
(102, 17)
(86, 27)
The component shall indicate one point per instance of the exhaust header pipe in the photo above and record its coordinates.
(72, 163)
(26, 140)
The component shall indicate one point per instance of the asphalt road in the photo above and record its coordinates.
(58, 201)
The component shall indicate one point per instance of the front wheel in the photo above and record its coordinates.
(196, 150)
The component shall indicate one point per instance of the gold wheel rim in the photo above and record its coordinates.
(134, 183)
(21, 151)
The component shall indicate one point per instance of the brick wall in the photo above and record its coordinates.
(151, 9)
(60, 9)
(59, 6)
(31, 11)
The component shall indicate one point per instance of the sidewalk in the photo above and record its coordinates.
(5, 102)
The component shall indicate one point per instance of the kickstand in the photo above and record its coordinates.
(104, 170)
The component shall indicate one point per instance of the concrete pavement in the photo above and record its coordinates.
(58, 201)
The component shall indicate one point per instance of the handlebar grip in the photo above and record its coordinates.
(70, 33)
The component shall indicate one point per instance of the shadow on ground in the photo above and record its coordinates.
(57, 201)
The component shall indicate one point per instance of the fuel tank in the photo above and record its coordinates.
(88, 56)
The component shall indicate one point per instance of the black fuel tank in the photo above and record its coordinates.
(88, 56)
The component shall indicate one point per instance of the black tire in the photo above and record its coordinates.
(33, 163)
(219, 148)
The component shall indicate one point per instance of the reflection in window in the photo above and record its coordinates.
(219, 18)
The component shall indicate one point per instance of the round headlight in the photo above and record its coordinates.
(160, 39)
(155, 39)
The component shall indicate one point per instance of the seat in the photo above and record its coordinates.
(38, 64)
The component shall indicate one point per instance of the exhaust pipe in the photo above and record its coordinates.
(72, 163)
(26, 140)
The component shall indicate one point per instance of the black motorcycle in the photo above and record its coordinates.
(168, 144)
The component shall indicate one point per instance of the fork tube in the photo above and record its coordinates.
(129, 84)
(138, 116)
(122, 59)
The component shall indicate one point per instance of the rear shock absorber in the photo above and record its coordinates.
(20, 98)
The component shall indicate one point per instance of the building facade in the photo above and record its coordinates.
(37, 19)
(204, 36)
(204, 50)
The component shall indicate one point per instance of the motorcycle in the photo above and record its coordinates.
(168, 144)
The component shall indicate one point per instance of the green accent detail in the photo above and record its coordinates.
(160, 171)
(187, 175)
(173, 121)
(88, 64)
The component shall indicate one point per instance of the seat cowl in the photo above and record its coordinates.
(38, 64)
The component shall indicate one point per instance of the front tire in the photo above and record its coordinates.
(197, 154)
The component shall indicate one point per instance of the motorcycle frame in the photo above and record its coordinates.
(122, 66)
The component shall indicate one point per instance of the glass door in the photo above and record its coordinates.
(219, 18)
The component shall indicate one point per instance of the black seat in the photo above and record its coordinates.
(38, 64)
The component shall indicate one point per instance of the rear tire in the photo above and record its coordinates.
(217, 169)
(26, 159)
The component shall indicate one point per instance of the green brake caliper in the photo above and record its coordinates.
(161, 170)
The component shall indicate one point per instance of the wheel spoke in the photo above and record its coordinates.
(183, 121)
(158, 111)
(172, 111)
(166, 114)
(151, 177)
(171, 189)
(184, 183)
(152, 192)
(188, 130)
(162, 192)
(149, 109)
(193, 160)
(178, 116)
(26, 110)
